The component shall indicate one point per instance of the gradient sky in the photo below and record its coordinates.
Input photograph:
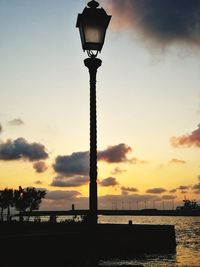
(148, 91)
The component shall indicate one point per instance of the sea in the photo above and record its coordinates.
(187, 238)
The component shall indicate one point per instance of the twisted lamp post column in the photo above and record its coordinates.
(93, 64)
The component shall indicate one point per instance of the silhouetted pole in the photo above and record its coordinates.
(92, 24)
(93, 64)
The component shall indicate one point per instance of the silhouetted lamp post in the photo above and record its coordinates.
(92, 24)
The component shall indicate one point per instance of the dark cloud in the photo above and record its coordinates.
(21, 149)
(78, 163)
(163, 22)
(40, 166)
(157, 190)
(115, 154)
(38, 182)
(62, 200)
(172, 191)
(183, 187)
(16, 122)
(74, 164)
(196, 187)
(76, 181)
(127, 190)
(1, 129)
(188, 140)
(177, 161)
(62, 195)
(168, 197)
(117, 170)
(110, 181)
(183, 192)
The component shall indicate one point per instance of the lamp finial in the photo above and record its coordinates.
(93, 4)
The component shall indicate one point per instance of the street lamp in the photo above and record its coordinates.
(92, 24)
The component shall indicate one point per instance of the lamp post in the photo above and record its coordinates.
(92, 24)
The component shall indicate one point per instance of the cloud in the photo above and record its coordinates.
(188, 140)
(157, 190)
(110, 181)
(62, 200)
(16, 122)
(21, 149)
(38, 182)
(40, 166)
(117, 170)
(196, 187)
(76, 181)
(184, 192)
(177, 161)
(62, 195)
(75, 164)
(183, 187)
(115, 154)
(135, 161)
(128, 190)
(159, 21)
(168, 197)
(172, 191)
(78, 162)
(1, 128)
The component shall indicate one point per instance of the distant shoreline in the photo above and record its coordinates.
(143, 212)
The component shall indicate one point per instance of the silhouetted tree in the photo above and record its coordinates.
(2, 204)
(20, 201)
(6, 201)
(28, 198)
(35, 198)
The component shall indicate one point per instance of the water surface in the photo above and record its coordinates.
(187, 237)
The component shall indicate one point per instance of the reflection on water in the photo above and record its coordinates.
(187, 237)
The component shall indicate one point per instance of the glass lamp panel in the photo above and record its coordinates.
(82, 35)
(94, 34)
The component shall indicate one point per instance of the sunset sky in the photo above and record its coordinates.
(148, 102)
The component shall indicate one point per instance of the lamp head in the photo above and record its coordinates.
(92, 24)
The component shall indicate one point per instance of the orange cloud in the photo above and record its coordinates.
(110, 181)
(178, 161)
(40, 166)
(192, 139)
(115, 154)
(157, 190)
(117, 170)
(128, 190)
